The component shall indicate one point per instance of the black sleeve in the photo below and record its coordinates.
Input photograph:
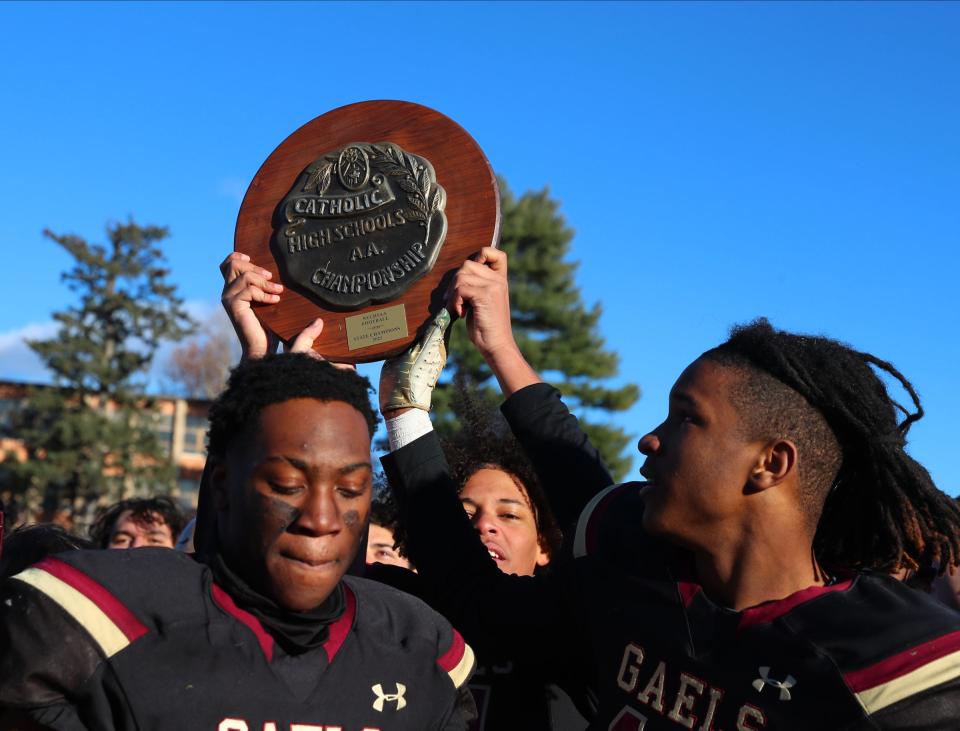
(464, 712)
(499, 615)
(937, 709)
(396, 576)
(569, 466)
(45, 658)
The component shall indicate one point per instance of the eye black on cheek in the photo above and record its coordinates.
(351, 518)
(279, 512)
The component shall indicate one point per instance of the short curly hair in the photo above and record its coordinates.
(256, 384)
(143, 510)
(384, 510)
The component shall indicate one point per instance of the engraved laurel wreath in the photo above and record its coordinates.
(424, 196)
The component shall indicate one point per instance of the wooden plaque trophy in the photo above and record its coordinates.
(363, 214)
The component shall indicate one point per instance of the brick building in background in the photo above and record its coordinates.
(180, 426)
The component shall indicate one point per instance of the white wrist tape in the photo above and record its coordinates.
(403, 429)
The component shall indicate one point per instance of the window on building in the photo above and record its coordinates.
(163, 429)
(193, 436)
(189, 491)
(8, 410)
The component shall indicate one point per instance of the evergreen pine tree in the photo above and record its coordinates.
(555, 330)
(90, 435)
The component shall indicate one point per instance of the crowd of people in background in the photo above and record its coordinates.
(784, 564)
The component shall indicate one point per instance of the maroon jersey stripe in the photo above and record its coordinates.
(769, 611)
(341, 628)
(226, 603)
(596, 518)
(903, 662)
(687, 591)
(452, 657)
(122, 617)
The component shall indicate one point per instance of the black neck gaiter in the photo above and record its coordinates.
(295, 632)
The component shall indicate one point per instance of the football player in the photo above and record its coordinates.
(499, 491)
(744, 585)
(261, 631)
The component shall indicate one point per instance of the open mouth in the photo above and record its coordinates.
(495, 553)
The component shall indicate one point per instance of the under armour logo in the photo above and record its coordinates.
(392, 697)
(783, 685)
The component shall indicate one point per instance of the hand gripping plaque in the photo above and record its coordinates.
(363, 214)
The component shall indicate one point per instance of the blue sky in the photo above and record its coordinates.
(718, 161)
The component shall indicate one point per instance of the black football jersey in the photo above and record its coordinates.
(145, 639)
(506, 695)
(866, 652)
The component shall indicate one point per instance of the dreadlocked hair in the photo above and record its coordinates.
(873, 506)
(256, 384)
(484, 441)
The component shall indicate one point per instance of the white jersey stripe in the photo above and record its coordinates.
(103, 630)
(580, 537)
(924, 677)
(462, 670)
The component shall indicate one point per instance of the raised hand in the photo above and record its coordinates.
(303, 343)
(480, 292)
(243, 284)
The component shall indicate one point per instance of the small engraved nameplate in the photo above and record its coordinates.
(377, 326)
(360, 225)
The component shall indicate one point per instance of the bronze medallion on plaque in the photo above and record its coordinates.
(361, 225)
(364, 213)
